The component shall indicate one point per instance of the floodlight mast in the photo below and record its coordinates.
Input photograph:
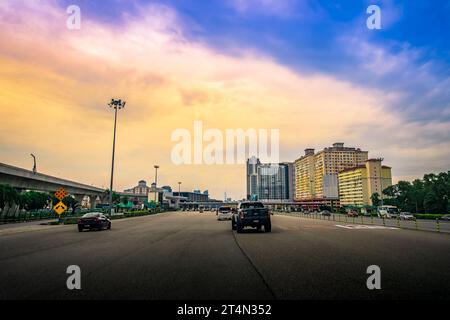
(117, 105)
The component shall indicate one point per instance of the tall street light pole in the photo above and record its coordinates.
(156, 180)
(117, 105)
(34, 163)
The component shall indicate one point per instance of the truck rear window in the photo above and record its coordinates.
(253, 205)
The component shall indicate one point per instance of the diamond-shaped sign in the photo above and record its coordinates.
(61, 194)
(60, 208)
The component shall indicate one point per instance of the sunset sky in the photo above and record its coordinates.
(311, 69)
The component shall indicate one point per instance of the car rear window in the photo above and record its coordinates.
(222, 209)
(91, 215)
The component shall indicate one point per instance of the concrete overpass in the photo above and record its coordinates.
(23, 179)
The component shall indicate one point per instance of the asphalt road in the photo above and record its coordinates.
(194, 256)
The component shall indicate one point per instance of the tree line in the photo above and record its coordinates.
(32, 200)
(428, 195)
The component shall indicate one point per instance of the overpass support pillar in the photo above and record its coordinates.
(79, 198)
(93, 201)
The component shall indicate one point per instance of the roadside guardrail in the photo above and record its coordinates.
(417, 224)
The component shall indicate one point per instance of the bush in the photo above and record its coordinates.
(72, 220)
(428, 216)
(137, 213)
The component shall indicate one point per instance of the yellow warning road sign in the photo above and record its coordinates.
(60, 208)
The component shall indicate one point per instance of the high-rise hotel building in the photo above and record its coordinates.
(316, 174)
(270, 182)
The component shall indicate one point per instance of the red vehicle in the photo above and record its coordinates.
(352, 213)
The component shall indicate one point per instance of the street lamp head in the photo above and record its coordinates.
(156, 167)
(117, 104)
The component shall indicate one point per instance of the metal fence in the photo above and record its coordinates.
(18, 216)
(23, 216)
(343, 219)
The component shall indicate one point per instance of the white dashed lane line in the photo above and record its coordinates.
(364, 227)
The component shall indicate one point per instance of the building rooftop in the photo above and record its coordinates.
(338, 146)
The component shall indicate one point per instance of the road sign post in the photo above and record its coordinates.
(60, 207)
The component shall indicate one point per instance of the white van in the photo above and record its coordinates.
(388, 212)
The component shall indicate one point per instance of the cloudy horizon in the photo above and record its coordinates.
(310, 69)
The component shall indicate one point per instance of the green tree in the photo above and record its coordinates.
(32, 200)
(71, 203)
(375, 199)
(125, 200)
(428, 195)
(431, 203)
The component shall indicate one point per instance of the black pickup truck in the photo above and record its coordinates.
(251, 214)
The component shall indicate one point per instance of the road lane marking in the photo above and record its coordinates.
(360, 227)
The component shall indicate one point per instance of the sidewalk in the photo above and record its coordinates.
(24, 224)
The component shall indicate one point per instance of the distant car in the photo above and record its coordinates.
(251, 214)
(93, 221)
(325, 213)
(224, 213)
(406, 216)
(352, 213)
(445, 218)
(394, 215)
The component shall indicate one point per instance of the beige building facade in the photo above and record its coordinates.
(316, 174)
(358, 184)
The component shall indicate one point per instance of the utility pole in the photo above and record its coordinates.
(156, 180)
(117, 105)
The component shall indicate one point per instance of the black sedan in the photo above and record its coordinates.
(94, 221)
